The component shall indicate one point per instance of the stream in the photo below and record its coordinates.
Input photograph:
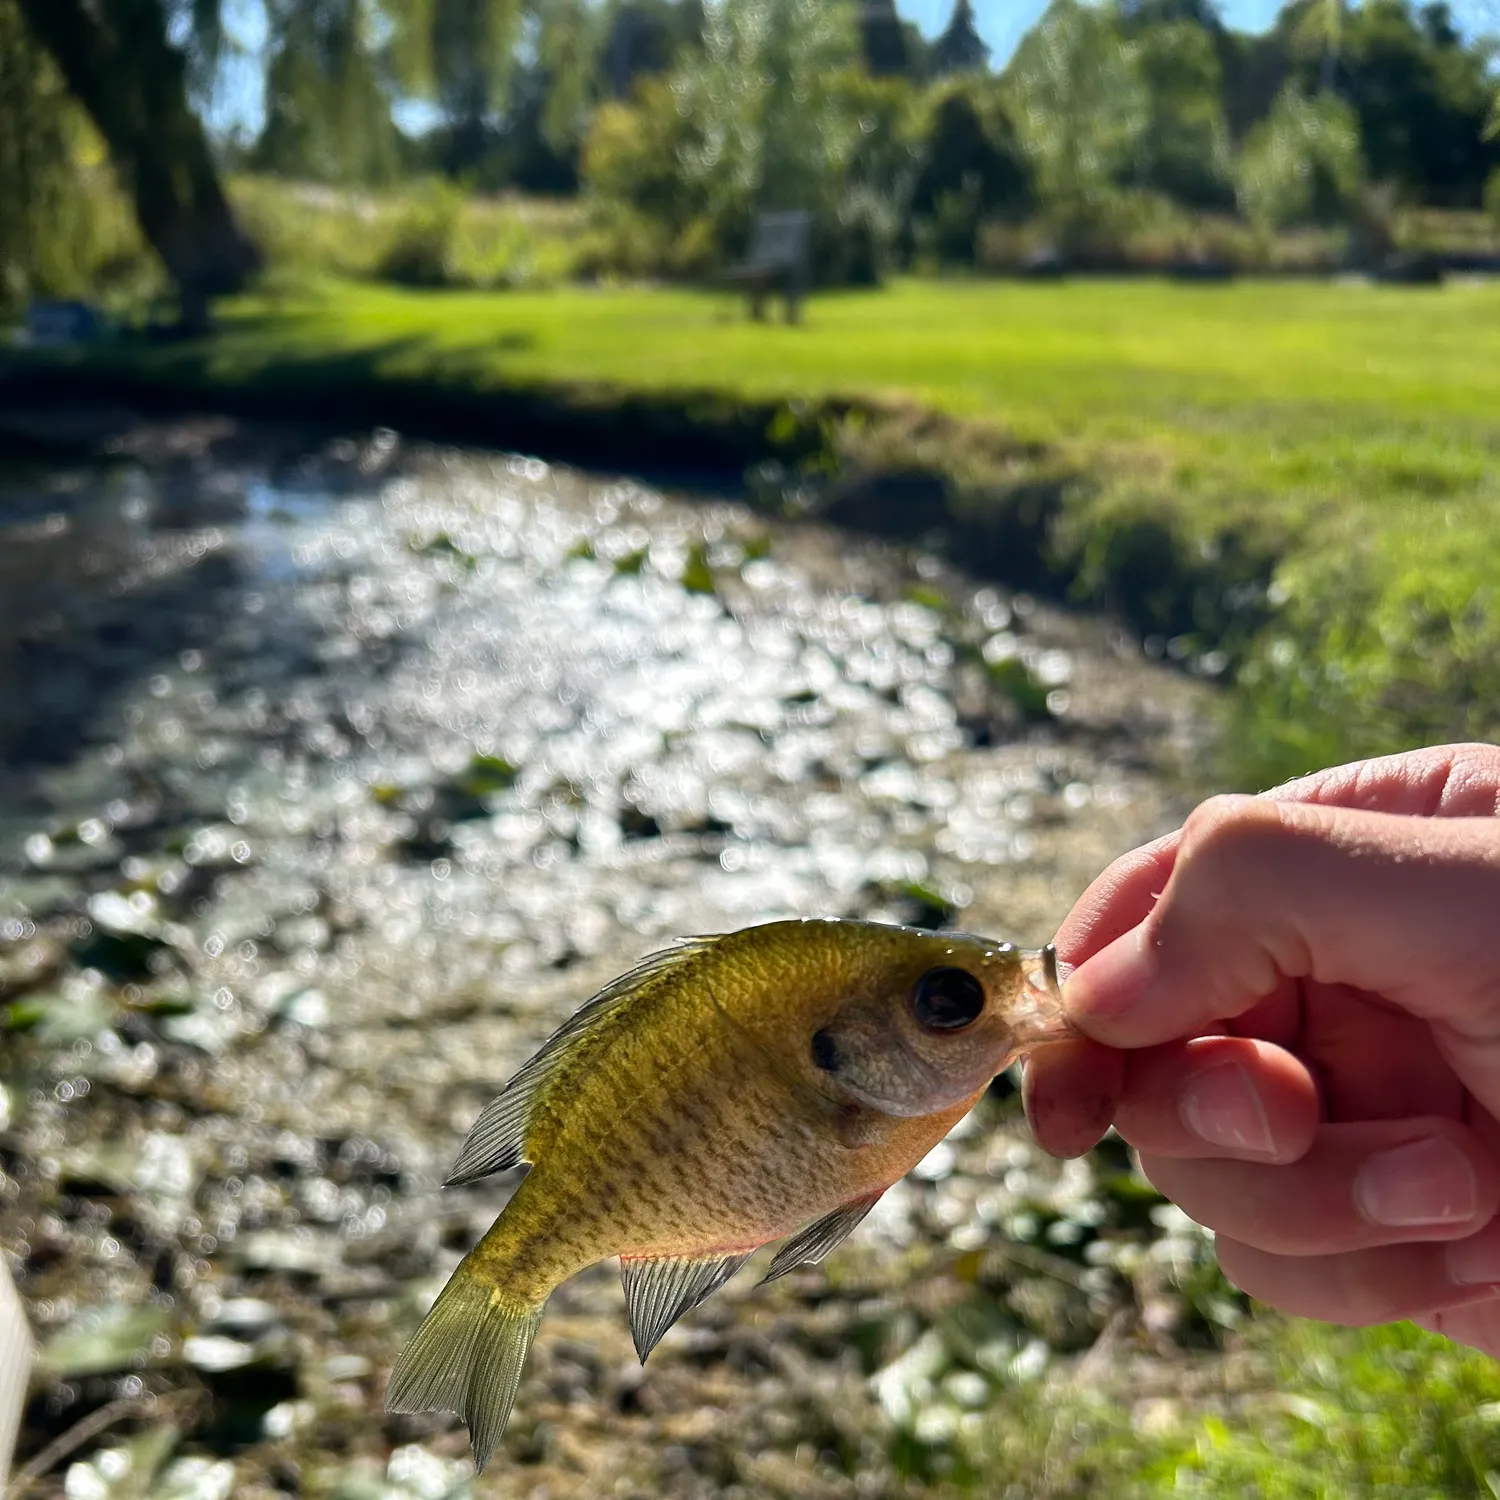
(334, 773)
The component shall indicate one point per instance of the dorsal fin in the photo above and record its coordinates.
(498, 1137)
(658, 1290)
(810, 1245)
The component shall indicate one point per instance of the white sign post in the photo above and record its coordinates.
(15, 1369)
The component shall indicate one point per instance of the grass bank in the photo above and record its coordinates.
(1292, 483)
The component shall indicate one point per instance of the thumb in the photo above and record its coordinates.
(1261, 891)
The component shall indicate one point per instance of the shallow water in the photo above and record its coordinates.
(334, 777)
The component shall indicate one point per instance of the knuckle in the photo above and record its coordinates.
(1229, 835)
(1473, 773)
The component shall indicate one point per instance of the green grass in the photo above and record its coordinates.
(1303, 1411)
(1342, 438)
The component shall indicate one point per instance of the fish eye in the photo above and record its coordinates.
(825, 1052)
(947, 999)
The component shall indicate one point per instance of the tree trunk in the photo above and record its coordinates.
(118, 64)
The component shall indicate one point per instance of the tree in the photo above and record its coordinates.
(1184, 148)
(972, 168)
(960, 48)
(1302, 164)
(882, 39)
(39, 197)
(1080, 106)
(762, 94)
(118, 63)
(327, 115)
(643, 38)
(1421, 99)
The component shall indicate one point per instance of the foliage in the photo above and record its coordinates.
(1344, 1418)
(1081, 109)
(644, 202)
(1330, 1411)
(1302, 165)
(308, 230)
(1184, 150)
(973, 170)
(1421, 97)
(327, 117)
(770, 115)
(762, 96)
(423, 251)
(65, 229)
(882, 174)
(1391, 639)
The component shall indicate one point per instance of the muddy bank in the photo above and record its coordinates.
(337, 773)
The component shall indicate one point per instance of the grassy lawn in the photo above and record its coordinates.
(1288, 400)
(1349, 432)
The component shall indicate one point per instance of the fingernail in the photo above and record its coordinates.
(1476, 1260)
(1110, 982)
(1426, 1182)
(1222, 1107)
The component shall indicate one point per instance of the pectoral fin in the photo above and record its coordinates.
(810, 1245)
(659, 1290)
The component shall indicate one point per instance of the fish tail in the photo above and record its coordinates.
(467, 1356)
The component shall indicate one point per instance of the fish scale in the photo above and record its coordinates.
(684, 1117)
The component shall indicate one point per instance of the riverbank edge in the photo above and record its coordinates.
(1018, 513)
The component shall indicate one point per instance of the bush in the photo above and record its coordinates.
(1379, 642)
(423, 250)
(1302, 164)
(634, 155)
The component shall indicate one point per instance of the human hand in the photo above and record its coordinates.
(1291, 1008)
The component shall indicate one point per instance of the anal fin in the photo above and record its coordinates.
(658, 1290)
(811, 1244)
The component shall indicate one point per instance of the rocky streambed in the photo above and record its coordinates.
(333, 775)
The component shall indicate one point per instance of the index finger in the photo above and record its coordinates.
(1267, 891)
(1444, 781)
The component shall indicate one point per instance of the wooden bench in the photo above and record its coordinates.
(778, 260)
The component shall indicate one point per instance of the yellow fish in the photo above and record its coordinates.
(728, 1092)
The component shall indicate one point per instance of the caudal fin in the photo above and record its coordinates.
(467, 1357)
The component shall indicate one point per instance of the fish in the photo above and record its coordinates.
(728, 1092)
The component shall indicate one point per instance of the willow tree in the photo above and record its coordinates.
(118, 63)
(464, 58)
(328, 112)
